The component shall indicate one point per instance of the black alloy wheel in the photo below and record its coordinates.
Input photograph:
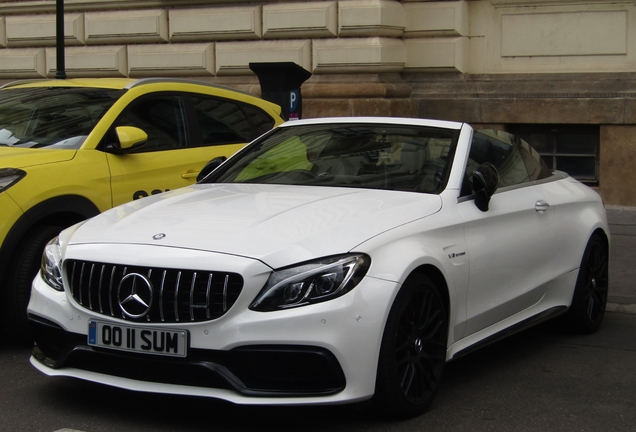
(590, 293)
(413, 350)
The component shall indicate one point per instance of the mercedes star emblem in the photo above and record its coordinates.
(134, 295)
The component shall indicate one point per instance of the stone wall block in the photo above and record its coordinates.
(300, 20)
(188, 59)
(3, 32)
(39, 30)
(216, 23)
(233, 58)
(318, 108)
(23, 63)
(358, 55)
(136, 26)
(437, 55)
(96, 61)
(586, 37)
(315, 108)
(384, 107)
(445, 18)
(546, 110)
(617, 159)
(371, 18)
(575, 33)
(456, 109)
(356, 90)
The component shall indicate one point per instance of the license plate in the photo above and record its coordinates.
(147, 340)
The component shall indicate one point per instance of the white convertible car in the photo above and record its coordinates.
(330, 261)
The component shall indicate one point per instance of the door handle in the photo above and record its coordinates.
(541, 206)
(190, 174)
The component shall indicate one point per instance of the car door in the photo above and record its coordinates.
(176, 149)
(512, 245)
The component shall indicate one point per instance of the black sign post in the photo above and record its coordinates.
(280, 83)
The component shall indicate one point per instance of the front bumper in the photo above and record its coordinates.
(252, 371)
(324, 353)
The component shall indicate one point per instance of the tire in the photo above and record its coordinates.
(413, 350)
(590, 292)
(17, 290)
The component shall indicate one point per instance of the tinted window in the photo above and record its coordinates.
(261, 122)
(51, 117)
(515, 160)
(220, 121)
(405, 158)
(162, 117)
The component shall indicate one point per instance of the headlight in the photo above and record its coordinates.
(51, 269)
(9, 177)
(312, 282)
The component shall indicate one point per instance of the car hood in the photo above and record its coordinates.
(11, 157)
(276, 224)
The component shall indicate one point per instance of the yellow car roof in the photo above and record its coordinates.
(129, 83)
(112, 83)
(109, 83)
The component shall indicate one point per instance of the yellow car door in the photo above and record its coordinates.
(185, 131)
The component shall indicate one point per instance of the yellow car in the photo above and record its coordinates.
(70, 149)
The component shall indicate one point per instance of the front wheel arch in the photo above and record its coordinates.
(439, 280)
(46, 218)
(413, 349)
(62, 210)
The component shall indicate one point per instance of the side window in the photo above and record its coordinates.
(162, 117)
(514, 159)
(260, 121)
(220, 121)
(535, 165)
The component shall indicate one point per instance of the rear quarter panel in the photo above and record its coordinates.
(579, 211)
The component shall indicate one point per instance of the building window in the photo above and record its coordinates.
(570, 148)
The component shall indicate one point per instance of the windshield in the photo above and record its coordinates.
(51, 117)
(375, 156)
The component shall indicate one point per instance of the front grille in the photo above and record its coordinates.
(150, 294)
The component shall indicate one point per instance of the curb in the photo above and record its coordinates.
(622, 308)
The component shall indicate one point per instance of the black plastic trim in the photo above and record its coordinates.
(509, 331)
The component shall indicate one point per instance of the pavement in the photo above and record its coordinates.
(622, 269)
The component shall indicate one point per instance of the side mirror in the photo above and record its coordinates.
(130, 138)
(210, 166)
(485, 182)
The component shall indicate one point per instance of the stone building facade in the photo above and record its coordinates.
(558, 72)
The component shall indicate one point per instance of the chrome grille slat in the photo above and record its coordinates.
(225, 293)
(90, 286)
(149, 276)
(99, 292)
(123, 315)
(73, 285)
(110, 291)
(207, 296)
(81, 297)
(194, 279)
(163, 282)
(176, 298)
(180, 294)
